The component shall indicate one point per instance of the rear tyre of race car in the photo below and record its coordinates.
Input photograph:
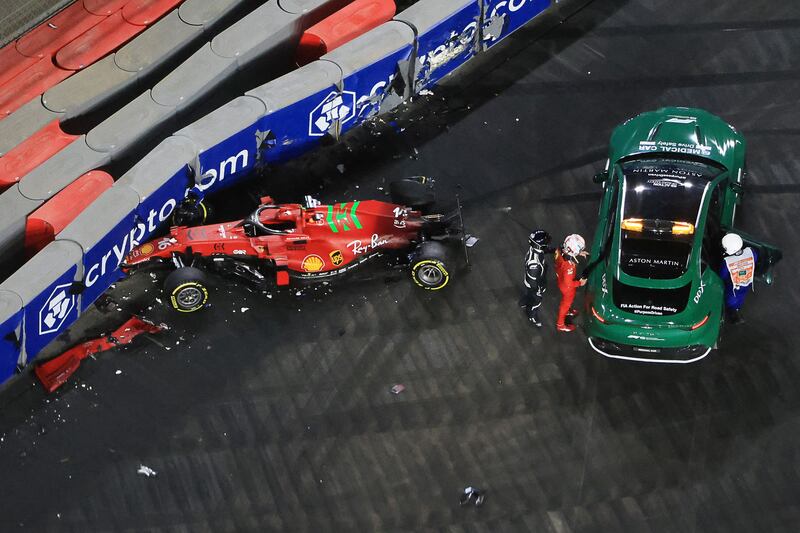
(416, 193)
(429, 267)
(186, 289)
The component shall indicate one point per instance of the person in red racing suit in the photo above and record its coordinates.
(566, 260)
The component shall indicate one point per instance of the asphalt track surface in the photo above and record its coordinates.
(280, 417)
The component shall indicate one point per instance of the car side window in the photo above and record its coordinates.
(711, 247)
(612, 218)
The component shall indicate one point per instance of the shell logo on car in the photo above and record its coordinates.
(312, 263)
(147, 249)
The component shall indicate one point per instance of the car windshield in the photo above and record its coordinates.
(661, 205)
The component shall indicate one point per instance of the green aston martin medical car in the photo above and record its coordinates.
(671, 188)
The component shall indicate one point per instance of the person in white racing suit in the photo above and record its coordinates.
(535, 274)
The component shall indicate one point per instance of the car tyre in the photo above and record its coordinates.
(191, 213)
(416, 193)
(187, 289)
(429, 266)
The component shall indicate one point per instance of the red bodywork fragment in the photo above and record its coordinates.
(57, 371)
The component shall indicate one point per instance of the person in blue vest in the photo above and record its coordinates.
(737, 272)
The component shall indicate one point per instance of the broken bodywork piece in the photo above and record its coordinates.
(57, 371)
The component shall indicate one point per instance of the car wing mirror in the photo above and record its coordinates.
(600, 177)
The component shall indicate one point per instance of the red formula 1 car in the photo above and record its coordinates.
(292, 243)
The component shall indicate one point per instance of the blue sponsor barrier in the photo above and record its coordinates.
(447, 37)
(104, 249)
(10, 333)
(503, 17)
(46, 285)
(271, 124)
(299, 108)
(375, 76)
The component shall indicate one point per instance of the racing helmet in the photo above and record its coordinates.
(732, 243)
(573, 245)
(539, 239)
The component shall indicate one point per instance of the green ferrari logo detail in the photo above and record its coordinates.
(338, 216)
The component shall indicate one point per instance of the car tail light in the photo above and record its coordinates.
(632, 224)
(682, 228)
(598, 317)
(700, 324)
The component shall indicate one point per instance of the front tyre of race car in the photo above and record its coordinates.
(186, 289)
(429, 267)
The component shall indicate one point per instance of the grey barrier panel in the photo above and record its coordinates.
(298, 84)
(363, 53)
(106, 231)
(10, 304)
(194, 78)
(158, 166)
(425, 15)
(38, 186)
(14, 210)
(245, 41)
(23, 123)
(35, 283)
(103, 214)
(203, 12)
(372, 46)
(156, 44)
(11, 308)
(257, 34)
(45, 267)
(87, 88)
(228, 141)
(60, 170)
(304, 7)
(267, 29)
(224, 122)
(448, 35)
(131, 123)
(93, 85)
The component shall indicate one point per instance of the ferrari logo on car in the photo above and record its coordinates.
(312, 263)
(336, 257)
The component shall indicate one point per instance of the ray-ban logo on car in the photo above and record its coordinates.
(56, 309)
(335, 107)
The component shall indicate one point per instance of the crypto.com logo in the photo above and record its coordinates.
(335, 106)
(56, 309)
